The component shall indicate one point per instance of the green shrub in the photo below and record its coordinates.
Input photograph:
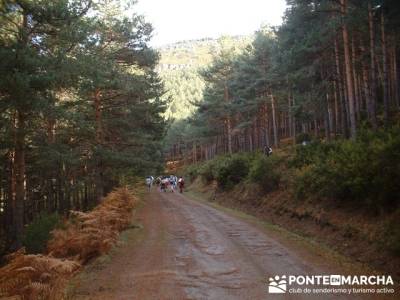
(37, 233)
(303, 137)
(192, 172)
(206, 171)
(311, 153)
(231, 170)
(264, 171)
(365, 171)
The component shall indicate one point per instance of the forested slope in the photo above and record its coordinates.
(330, 69)
(179, 67)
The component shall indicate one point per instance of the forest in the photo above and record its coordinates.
(80, 108)
(327, 76)
(330, 70)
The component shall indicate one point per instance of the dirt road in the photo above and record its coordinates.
(189, 250)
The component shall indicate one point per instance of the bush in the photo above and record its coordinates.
(206, 171)
(303, 137)
(38, 232)
(264, 171)
(365, 171)
(192, 172)
(231, 170)
(311, 153)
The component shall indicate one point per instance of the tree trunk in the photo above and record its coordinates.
(290, 115)
(99, 141)
(355, 82)
(366, 89)
(327, 119)
(342, 101)
(395, 78)
(349, 79)
(336, 109)
(385, 72)
(294, 123)
(251, 139)
(19, 180)
(228, 121)
(371, 105)
(274, 126)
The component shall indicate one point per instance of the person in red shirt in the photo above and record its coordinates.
(181, 184)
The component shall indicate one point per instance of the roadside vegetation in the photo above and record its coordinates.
(360, 175)
(72, 244)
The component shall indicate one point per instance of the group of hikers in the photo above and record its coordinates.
(172, 182)
(166, 183)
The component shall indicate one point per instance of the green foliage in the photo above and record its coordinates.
(80, 99)
(303, 137)
(365, 171)
(265, 171)
(232, 170)
(207, 170)
(192, 172)
(37, 233)
(183, 88)
(311, 153)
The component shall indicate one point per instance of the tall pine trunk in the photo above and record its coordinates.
(385, 82)
(395, 78)
(99, 141)
(349, 77)
(228, 121)
(19, 167)
(335, 93)
(355, 82)
(342, 100)
(371, 105)
(274, 125)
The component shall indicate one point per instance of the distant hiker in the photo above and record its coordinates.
(175, 181)
(164, 184)
(267, 150)
(149, 182)
(181, 184)
(171, 183)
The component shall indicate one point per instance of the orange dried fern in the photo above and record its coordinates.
(35, 276)
(86, 235)
(91, 234)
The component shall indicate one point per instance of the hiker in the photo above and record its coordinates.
(181, 184)
(149, 182)
(164, 184)
(171, 183)
(267, 150)
(175, 181)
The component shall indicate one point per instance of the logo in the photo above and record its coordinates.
(277, 285)
(335, 280)
(335, 284)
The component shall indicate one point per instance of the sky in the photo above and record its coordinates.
(177, 20)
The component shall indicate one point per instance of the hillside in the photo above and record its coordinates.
(178, 68)
(192, 53)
